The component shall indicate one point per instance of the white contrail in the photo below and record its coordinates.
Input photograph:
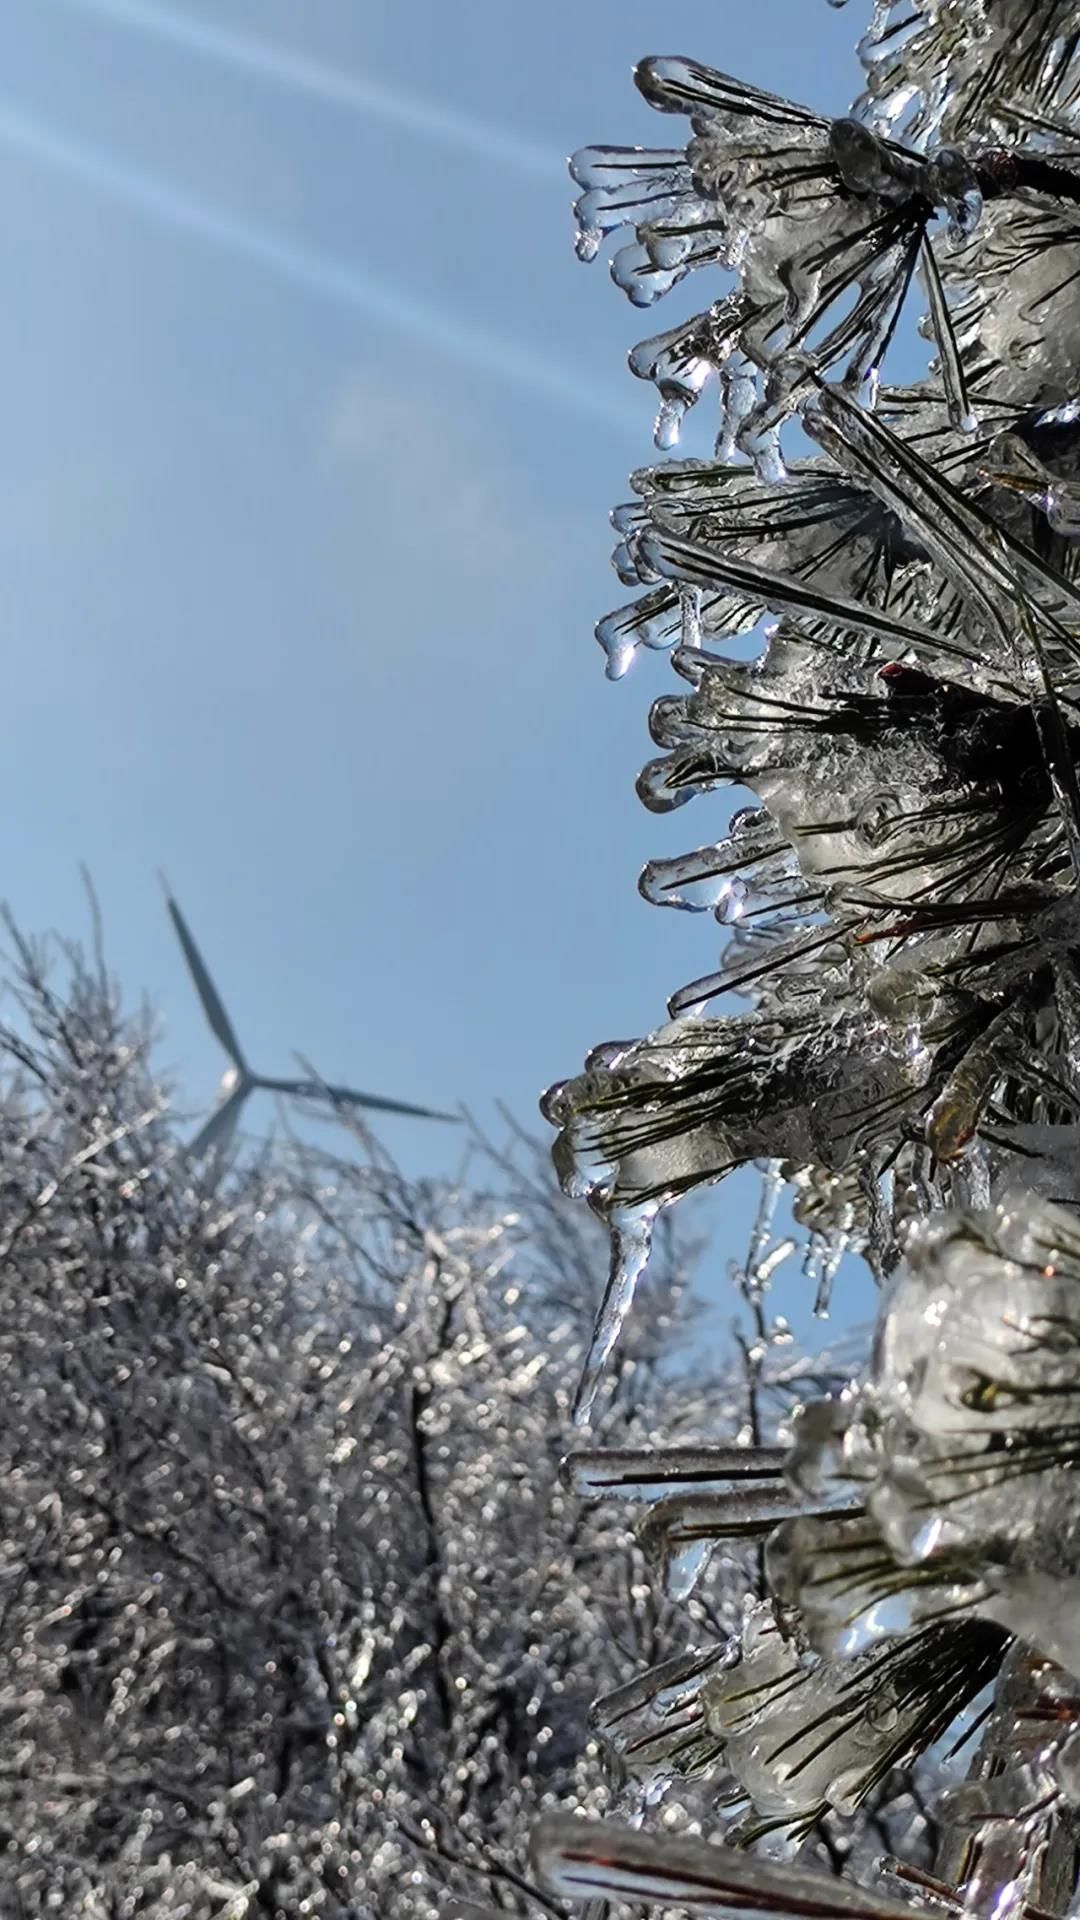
(399, 313)
(262, 61)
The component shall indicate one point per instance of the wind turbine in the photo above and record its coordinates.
(239, 1080)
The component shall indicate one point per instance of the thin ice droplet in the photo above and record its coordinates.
(667, 429)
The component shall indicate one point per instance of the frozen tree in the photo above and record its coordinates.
(896, 1717)
(297, 1616)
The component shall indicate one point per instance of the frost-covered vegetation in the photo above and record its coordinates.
(296, 1614)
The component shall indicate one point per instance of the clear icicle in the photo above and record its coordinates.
(631, 1240)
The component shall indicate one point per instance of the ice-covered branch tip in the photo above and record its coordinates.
(580, 1859)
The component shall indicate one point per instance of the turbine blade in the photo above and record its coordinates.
(380, 1105)
(350, 1097)
(218, 1131)
(220, 1024)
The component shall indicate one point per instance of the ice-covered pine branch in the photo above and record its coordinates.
(901, 921)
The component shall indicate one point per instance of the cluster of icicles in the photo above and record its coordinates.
(902, 923)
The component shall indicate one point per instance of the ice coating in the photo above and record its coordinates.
(853, 1595)
(804, 211)
(703, 1096)
(969, 1418)
(956, 782)
(783, 1735)
(938, 68)
(654, 1727)
(712, 879)
(765, 532)
(889, 731)
(801, 209)
(623, 185)
(1007, 1832)
(646, 1474)
(680, 1534)
(696, 1498)
(802, 1735)
(880, 643)
(575, 1858)
(1022, 298)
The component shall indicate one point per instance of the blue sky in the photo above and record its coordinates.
(312, 422)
